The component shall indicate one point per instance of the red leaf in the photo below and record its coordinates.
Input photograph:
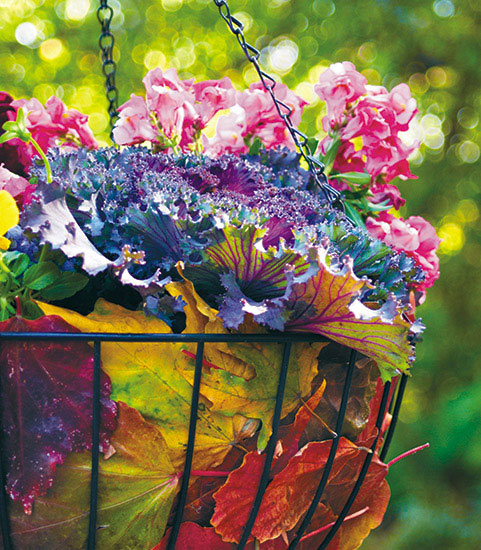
(46, 406)
(290, 493)
(235, 498)
(194, 537)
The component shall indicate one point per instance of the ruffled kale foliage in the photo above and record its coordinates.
(245, 231)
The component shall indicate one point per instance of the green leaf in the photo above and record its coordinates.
(17, 262)
(7, 136)
(66, 285)
(41, 275)
(357, 178)
(255, 147)
(312, 144)
(353, 215)
(10, 125)
(137, 486)
(330, 155)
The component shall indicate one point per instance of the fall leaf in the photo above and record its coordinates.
(150, 378)
(194, 537)
(329, 304)
(333, 361)
(246, 375)
(136, 490)
(297, 483)
(46, 405)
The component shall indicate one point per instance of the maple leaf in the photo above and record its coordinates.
(332, 367)
(194, 537)
(46, 406)
(137, 486)
(297, 483)
(245, 377)
(329, 304)
(150, 378)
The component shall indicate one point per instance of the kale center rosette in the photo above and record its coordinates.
(204, 221)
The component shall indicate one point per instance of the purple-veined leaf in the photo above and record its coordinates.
(329, 304)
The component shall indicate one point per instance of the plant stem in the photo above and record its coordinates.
(44, 158)
(407, 453)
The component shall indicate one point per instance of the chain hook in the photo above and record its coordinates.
(105, 14)
(300, 139)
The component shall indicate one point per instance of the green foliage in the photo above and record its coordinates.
(431, 45)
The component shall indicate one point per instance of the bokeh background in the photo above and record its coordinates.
(50, 47)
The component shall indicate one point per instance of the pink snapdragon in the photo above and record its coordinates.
(174, 111)
(134, 124)
(414, 236)
(339, 86)
(386, 193)
(20, 188)
(372, 116)
(255, 115)
(54, 124)
(212, 96)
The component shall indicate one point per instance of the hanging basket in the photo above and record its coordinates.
(229, 368)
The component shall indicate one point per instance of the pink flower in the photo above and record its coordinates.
(133, 125)
(414, 236)
(212, 96)
(387, 157)
(255, 115)
(404, 106)
(263, 120)
(54, 125)
(369, 118)
(172, 101)
(338, 86)
(229, 134)
(20, 188)
(382, 192)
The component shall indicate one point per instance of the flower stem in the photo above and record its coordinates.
(44, 158)
(329, 525)
(407, 453)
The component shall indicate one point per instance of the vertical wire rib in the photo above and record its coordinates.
(7, 545)
(395, 415)
(362, 474)
(194, 409)
(271, 445)
(332, 453)
(94, 477)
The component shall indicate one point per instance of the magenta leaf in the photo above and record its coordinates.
(46, 406)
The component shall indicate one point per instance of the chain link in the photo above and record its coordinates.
(106, 43)
(285, 112)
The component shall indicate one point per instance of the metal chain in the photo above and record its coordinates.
(106, 43)
(315, 165)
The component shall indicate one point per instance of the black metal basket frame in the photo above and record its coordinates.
(388, 401)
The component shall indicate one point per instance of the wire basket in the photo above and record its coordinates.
(388, 401)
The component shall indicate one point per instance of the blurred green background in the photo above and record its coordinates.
(50, 47)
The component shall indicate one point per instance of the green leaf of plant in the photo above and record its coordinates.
(312, 144)
(330, 155)
(137, 486)
(353, 215)
(17, 262)
(358, 178)
(66, 285)
(255, 146)
(41, 275)
(7, 136)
